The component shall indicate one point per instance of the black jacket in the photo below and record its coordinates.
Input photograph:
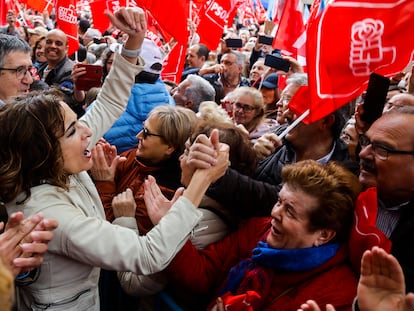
(249, 197)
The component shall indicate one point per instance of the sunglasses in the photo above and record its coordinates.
(146, 133)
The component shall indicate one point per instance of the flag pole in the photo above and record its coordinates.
(296, 122)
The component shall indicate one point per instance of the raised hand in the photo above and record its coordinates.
(381, 285)
(123, 204)
(105, 162)
(311, 305)
(266, 145)
(24, 241)
(130, 20)
(157, 204)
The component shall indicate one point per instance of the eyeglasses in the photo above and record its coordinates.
(245, 108)
(146, 133)
(381, 152)
(21, 71)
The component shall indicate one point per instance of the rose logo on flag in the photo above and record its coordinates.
(216, 13)
(366, 47)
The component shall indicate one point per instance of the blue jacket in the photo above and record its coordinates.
(144, 97)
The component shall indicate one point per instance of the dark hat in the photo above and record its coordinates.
(271, 81)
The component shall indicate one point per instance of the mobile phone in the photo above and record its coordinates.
(97, 40)
(277, 62)
(92, 77)
(375, 97)
(234, 43)
(266, 40)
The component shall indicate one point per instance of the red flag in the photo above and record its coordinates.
(67, 21)
(347, 42)
(172, 16)
(173, 65)
(260, 11)
(290, 27)
(41, 5)
(213, 16)
(154, 30)
(98, 7)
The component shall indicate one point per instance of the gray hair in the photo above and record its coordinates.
(10, 44)
(199, 90)
(298, 78)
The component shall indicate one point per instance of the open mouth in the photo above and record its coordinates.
(87, 153)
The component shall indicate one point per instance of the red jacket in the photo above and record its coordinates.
(204, 271)
(132, 174)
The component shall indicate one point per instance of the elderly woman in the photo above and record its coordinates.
(51, 177)
(279, 262)
(249, 111)
(160, 143)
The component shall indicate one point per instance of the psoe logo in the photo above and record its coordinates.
(67, 15)
(216, 12)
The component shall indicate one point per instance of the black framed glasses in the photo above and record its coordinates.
(245, 108)
(146, 133)
(381, 152)
(20, 71)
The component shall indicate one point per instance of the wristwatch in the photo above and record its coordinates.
(130, 53)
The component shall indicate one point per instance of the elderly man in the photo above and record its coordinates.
(15, 66)
(192, 91)
(226, 76)
(387, 161)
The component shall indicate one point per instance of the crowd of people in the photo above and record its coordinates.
(146, 186)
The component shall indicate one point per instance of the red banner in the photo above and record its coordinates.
(41, 5)
(172, 15)
(67, 21)
(98, 7)
(213, 16)
(347, 42)
(290, 27)
(172, 68)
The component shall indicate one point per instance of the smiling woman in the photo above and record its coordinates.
(298, 253)
(44, 158)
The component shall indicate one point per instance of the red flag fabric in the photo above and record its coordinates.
(213, 16)
(347, 42)
(260, 11)
(41, 5)
(154, 30)
(173, 65)
(172, 16)
(67, 21)
(98, 7)
(290, 27)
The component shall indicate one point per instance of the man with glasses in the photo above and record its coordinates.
(387, 163)
(15, 66)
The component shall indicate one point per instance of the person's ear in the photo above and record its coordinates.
(324, 236)
(170, 150)
(189, 104)
(328, 121)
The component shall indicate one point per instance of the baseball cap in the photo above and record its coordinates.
(152, 56)
(39, 30)
(271, 81)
